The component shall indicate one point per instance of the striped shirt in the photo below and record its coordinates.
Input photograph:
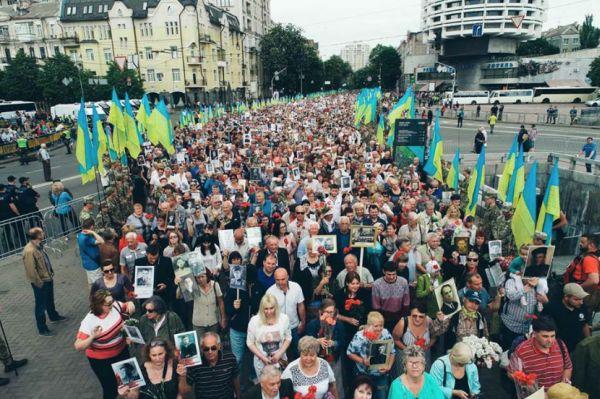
(549, 367)
(513, 316)
(390, 297)
(214, 382)
(110, 342)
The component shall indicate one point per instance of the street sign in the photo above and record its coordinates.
(67, 81)
(517, 20)
(478, 30)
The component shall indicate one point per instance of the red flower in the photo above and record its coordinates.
(351, 302)
(531, 317)
(322, 250)
(346, 250)
(525, 379)
(370, 335)
(420, 342)
(245, 204)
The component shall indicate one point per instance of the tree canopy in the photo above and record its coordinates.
(20, 80)
(589, 35)
(594, 73)
(385, 61)
(539, 46)
(336, 71)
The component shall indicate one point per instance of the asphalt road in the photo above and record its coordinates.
(561, 139)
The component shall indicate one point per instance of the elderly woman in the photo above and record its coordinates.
(140, 222)
(101, 338)
(414, 330)
(309, 370)
(157, 321)
(269, 334)
(307, 274)
(415, 383)
(358, 352)
(61, 198)
(164, 376)
(456, 373)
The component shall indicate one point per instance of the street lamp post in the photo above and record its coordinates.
(276, 77)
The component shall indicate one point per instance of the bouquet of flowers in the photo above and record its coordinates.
(312, 390)
(526, 384)
(485, 352)
(327, 324)
(244, 209)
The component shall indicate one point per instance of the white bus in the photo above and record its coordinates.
(563, 94)
(471, 97)
(516, 96)
(72, 110)
(9, 109)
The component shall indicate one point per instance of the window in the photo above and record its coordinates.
(56, 50)
(73, 55)
(172, 28)
(42, 52)
(159, 76)
(145, 5)
(89, 54)
(176, 75)
(107, 55)
(31, 52)
(151, 77)
(565, 41)
(174, 52)
(123, 41)
(148, 51)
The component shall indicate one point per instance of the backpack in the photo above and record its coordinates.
(568, 276)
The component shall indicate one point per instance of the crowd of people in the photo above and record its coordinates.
(332, 320)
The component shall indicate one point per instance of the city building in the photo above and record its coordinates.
(418, 56)
(255, 20)
(566, 38)
(477, 39)
(356, 54)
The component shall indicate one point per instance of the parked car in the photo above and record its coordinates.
(593, 103)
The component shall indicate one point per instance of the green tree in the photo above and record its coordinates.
(385, 61)
(20, 79)
(52, 74)
(589, 35)
(364, 77)
(594, 73)
(127, 80)
(539, 46)
(337, 71)
(284, 47)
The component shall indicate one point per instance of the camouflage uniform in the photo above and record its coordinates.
(102, 222)
(502, 230)
(84, 215)
(489, 219)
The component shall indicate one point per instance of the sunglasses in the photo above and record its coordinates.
(417, 316)
(299, 213)
(150, 310)
(209, 349)
(472, 259)
(158, 342)
(106, 271)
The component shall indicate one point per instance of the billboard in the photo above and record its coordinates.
(410, 136)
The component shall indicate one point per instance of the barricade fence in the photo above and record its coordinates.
(525, 118)
(57, 223)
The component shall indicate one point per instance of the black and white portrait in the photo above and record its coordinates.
(237, 277)
(144, 281)
(188, 287)
(127, 372)
(539, 261)
(134, 334)
(446, 296)
(188, 347)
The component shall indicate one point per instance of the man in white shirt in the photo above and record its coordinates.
(44, 156)
(291, 302)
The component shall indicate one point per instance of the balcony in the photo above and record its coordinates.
(205, 39)
(27, 37)
(200, 83)
(193, 60)
(72, 41)
(4, 38)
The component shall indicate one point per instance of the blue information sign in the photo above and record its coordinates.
(478, 30)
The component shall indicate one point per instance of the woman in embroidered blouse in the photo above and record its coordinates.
(415, 382)
(101, 338)
(310, 373)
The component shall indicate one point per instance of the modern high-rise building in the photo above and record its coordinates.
(356, 54)
(473, 35)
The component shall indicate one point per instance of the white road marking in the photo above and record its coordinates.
(45, 184)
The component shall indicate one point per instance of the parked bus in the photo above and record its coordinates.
(72, 110)
(471, 97)
(9, 109)
(516, 96)
(563, 94)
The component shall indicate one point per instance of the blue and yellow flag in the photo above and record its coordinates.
(433, 166)
(381, 131)
(132, 133)
(117, 119)
(84, 147)
(550, 208)
(100, 140)
(476, 184)
(454, 172)
(517, 180)
(144, 111)
(509, 167)
(404, 108)
(523, 221)
(160, 129)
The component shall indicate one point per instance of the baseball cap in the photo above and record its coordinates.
(574, 289)
(473, 296)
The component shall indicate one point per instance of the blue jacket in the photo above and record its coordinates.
(267, 208)
(88, 249)
(443, 363)
(61, 203)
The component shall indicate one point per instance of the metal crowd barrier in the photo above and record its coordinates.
(525, 118)
(13, 232)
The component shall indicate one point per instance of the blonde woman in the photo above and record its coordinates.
(456, 373)
(61, 199)
(269, 334)
(452, 219)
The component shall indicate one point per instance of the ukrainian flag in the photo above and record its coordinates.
(523, 221)
(99, 139)
(453, 173)
(116, 118)
(160, 129)
(144, 111)
(509, 167)
(84, 147)
(517, 180)
(134, 138)
(433, 167)
(475, 184)
(550, 209)
(381, 131)
(404, 108)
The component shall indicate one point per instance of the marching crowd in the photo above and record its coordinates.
(320, 315)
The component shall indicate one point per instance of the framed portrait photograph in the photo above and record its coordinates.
(189, 348)
(495, 275)
(127, 372)
(462, 245)
(141, 160)
(134, 334)
(181, 265)
(362, 236)
(194, 260)
(254, 237)
(345, 183)
(227, 165)
(341, 163)
(379, 353)
(447, 298)
(495, 248)
(329, 242)
(296, 174)
(144, 281)
(188, 287)
(226, 240)
(237, 277)
(255, 173)
(210, 168)
(369, 166)
(214, 154)
(300, 155)
(539, 261)
(180, 156)
(171, 219)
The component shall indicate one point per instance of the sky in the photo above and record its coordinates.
(335, 23)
